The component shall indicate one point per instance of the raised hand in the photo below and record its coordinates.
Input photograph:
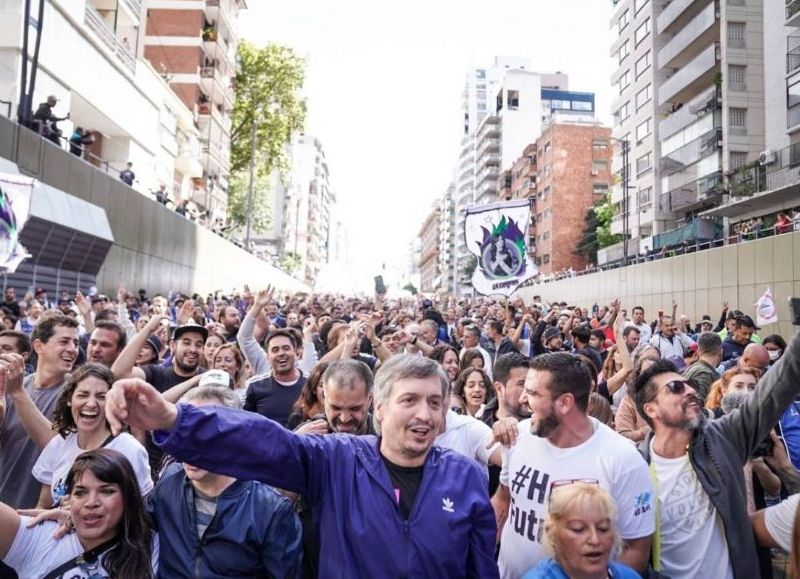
(84, 307)
(134, 402)
(12, 371)
(262, 298)
(184, 315)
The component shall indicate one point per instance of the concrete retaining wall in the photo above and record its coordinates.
(699, 282)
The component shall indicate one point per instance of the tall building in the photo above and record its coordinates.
(690, 86)
(503, 108)
(572, 164)
(90, 59)
(447, 240)
(193, 45)
(429, 235)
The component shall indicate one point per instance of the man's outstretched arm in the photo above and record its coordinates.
(235, 443)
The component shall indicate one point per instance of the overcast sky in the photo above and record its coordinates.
(384, 86)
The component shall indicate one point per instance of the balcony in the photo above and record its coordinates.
(670, 14)
(226, 10)
(134, 7)
(700, 32)
(792, 53)
(94, 21)
(708, 101)
(688, 80)
(216, 46)
(217, 85)
(490, 173)
(489, 129)
(691, 152)
(694, 193)
(793, 119)
(792, 13)
(488, 146)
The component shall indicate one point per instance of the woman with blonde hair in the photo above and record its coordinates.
(581, 534)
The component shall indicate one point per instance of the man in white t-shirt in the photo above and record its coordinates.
(472, 339)
(471, 437)
(638, 322)
(697, 466)
(773, 526)
(561, 445)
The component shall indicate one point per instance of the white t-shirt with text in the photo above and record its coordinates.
(692, 534)
(60, 453)
(533, 464)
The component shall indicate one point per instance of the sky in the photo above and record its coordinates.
(384, 84)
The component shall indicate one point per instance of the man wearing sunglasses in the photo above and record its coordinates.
(696, 466)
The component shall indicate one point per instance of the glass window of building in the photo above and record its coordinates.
(643, 97)
(641, 32)
(642, 64)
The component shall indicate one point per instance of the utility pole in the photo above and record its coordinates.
(250, 185)
(625, 201)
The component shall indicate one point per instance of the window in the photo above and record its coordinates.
(600, 188)
(481, 106)
(643, 97)
(546, 258)
(545, 236)
(546, 192)
(599, 165)
(642, 64)
(643, 130)
(645, 195)
(547, 147)
(599, 144)
(641, 32)
(736, 35)
(480, 73)
(624, 50)
(737, 117)
(622, 22)
(738, 160)
(538, 218)
(582, 106)
(736, 76)
(624, 81)
(547, 170)
(638, 5)
(644, 163)
(513, 99)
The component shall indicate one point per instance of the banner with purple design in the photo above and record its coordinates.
(497, 235)
(15, 204)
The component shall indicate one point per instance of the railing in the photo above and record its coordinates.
(792, 8)
(135, 6)
(691, 193)
(792, 52)
(95, 22)
(792, 116)
(691, 152)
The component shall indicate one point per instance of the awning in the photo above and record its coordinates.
(698, 230)
(64, 231)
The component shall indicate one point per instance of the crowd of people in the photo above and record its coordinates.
(269, 434)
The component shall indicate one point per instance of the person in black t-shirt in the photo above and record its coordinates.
(187, 344)
(273, 395)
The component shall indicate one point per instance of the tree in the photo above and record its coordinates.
(291, 263)
(597, 230)
(268, 81)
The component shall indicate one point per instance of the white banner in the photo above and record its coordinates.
(497, 235)
(766, 313)
(15, 205)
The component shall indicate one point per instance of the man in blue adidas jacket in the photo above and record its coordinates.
(388, 506)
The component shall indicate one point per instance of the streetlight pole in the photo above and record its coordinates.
(625, 202)
(250, 185)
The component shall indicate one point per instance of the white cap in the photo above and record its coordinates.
(219, 378)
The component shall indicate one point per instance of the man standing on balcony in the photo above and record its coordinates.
(127, 176)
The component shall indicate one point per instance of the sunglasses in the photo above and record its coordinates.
(674, 387)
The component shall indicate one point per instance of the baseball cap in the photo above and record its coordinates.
(39, 291)
(550, 333)
(190, 327)
(155, 343)
(219, 378)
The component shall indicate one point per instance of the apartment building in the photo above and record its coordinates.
(447, 240)
(429, 235)
(193, 46)
(690, 84)
(90, 60)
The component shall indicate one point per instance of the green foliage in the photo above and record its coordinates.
(268, 81)
(237, 202)
(597, 230)
(291, 263)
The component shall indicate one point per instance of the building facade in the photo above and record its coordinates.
(430, 277)
(90, 60)
(690, 81)
(193, 46)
